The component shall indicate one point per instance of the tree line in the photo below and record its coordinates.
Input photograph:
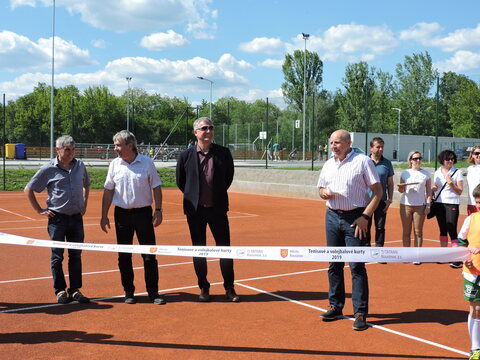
(364, 102)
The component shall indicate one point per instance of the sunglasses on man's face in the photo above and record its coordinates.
(205, 128)
(476, 153)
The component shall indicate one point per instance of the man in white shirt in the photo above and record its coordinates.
(131, 180)
(344, 182)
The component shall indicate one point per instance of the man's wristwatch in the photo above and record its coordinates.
(365, 216)
(159, 209)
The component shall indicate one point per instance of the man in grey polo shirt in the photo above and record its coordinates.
(68, 185)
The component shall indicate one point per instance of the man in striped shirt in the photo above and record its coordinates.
(344, 182)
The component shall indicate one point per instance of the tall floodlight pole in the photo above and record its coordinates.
(128, 78)
(398, 136)
(305, 37)
(52, 110)
(211, 88)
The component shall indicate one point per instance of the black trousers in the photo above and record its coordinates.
(218, 223)
(139, 221)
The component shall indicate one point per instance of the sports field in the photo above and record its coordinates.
(416, 312)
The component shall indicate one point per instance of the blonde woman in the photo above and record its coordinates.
(416, 189)
(473, 177)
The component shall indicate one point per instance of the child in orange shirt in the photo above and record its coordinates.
(470, 236)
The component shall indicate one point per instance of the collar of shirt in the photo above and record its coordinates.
(60, 165)
(347, 157)
(199, 150)
(131, 163)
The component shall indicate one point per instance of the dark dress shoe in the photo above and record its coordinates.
(232, 295)
(204, 295)
(130, 298)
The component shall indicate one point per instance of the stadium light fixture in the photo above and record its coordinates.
(211, 87)
(305, 37)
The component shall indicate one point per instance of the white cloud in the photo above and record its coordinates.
(161, 41)
(272, 63)
(461, 39)
(229, 62)
(461, 61)
(421, 32)
(20, 53)
(99, 43)
(139, 15)
(262, 45)
(426, 34)
(349, 41)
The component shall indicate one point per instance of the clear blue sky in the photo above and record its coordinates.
(239, 45)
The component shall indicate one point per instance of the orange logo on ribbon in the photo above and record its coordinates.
(30, 242)
(153, 250)
(283, 253)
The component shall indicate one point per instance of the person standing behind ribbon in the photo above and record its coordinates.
(469, 235)
(416, 189)
(384, 168)
(204, 174)
(68, 186)
(473, 177)
(344, 182)
(130, 182)
(450, 179)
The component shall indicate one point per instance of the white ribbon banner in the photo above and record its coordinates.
(283, 253)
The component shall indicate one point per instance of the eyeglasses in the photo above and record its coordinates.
(450, 159)
(417, 158)
(476, 153)
(205, 128)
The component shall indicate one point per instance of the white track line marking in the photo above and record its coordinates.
(14, 213)
(383, 328)
(98, 272)
(239, 282)
(180, 219)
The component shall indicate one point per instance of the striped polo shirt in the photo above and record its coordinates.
(348, 181)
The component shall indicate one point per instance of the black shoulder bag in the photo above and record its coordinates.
(435, 206)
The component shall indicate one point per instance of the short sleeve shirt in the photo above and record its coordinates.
(384, 169)
(348, 181)
(132, 182)
(64, 186)
(447, 196)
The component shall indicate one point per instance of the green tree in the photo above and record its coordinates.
(359, 85)
(464, 110)
(293, 71)
(100, 115)
(416, 76)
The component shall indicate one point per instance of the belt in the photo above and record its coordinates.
(352, 211)
(140, 209)
(205, 205)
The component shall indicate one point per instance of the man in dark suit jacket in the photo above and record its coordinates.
(204, 174)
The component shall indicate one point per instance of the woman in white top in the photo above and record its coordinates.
(416, 189)
(473, 177)
(451, 180)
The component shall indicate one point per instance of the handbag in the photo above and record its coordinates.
(435, 206)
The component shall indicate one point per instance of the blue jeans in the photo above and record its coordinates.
(70, 228)
(340, 233)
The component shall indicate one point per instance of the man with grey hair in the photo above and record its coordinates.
(67, 182)
(204, 174)
(344, 183)
(130, 182)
